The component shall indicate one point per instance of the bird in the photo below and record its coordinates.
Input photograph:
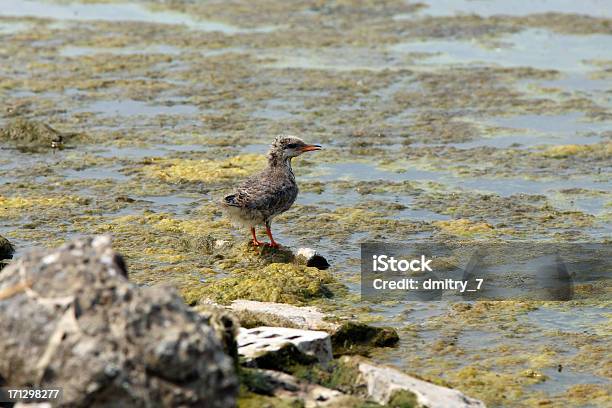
(263, 196)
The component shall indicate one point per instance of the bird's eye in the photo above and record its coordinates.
(292, 145)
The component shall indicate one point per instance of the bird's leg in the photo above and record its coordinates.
(273, 244)
(255, 242)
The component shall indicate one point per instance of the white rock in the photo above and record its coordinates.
(222, 244)
(306, 252)
(382, 382)
(307, 317)
(257, 341)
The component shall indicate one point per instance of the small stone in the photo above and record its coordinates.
(222, 244)
(286, 386)
(312, 258)
(6, 249)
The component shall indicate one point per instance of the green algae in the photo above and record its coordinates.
(206, 171)
(252, 400)
(340, 374)
(14, 206)
(287, 359)
(350, 220)
(465, 227)
(343, 374)
(284, 283)
(565, 151)
(403, 399)
(359, 338)
(25, 133)
(519, 215)
(249, 319)
(256, 390)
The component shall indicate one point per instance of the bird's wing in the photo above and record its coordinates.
(260, 193)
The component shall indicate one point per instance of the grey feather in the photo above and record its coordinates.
(263, 196)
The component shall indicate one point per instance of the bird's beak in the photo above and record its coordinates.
(309, 148)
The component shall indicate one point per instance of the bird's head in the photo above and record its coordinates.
(286, 147)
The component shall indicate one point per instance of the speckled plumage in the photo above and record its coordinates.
(270, 192)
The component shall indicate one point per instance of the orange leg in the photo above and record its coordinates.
(273, 244)
(255, 242)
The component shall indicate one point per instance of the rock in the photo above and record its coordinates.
(384, 384)
(269, 313)
(359, 338)
(30, 133)
(312, 258)
(75, 320)
(253, 343)
(224, 325)
(347, 337)
(286, 386)
(6, 251)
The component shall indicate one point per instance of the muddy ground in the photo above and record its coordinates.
(458, 119)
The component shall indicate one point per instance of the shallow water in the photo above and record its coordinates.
(72, 51)
(485, 8)
(536, 48)
(137, 108)
(10, 28)
(577, 320)
(114, 12)
(564, 125)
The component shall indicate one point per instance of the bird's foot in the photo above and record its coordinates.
(274, 245)
(256, 243)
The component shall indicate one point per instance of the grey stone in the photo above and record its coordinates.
(286, 386)
(6, 251)
(74, 319)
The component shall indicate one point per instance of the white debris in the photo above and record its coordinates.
(255, 342)
(306, 252)
(222, 244)
(383, 382)
(102, 241)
